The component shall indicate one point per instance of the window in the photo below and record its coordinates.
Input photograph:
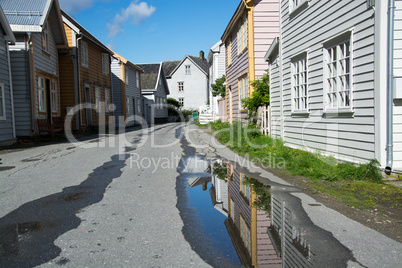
(295, 4)
(229, 52)
(139, 106)
(41, 94)
(126, 76)
(239, 39)
(105, 63)
(107, 100)
(55, 97)
(299, 84)
(97, 99)
(181, 86)
(84, 54)
(244, 32)
(181, 102)
(127, 105)
(137, 77)
(45, 38)
(244, 187)
(245, 233)
(232, 209)
(188, 69)
(338, 76)
(243, 89)
(2, 102)
(242, 36)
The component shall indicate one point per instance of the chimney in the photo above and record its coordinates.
(202, 55)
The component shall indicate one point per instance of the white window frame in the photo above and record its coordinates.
(244, 33)
(105, 63)
(181, 102)
(41, 94)
(127, 105)
(3, 115)
(84, 54)
(98, 99)
(299, 82)
(187, 69)
(107, 100)
(137, 77)
(126, 76)
(229, 52)
(54, 96)
(243, 89)
(338, 74)
(181, 86)
(45, 38)
(239, 38)
(296, 4)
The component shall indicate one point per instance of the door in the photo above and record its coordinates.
(88, 110)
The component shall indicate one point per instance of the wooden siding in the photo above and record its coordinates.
(6, 125)
(20, 71)
(347, 138)
(93, 75)
(266, 254)
(266, 28)
(67, 88)
(398, 73)
(116, 89)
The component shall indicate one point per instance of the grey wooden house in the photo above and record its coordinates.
(39, 33)
(7, 123)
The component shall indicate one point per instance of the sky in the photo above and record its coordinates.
(152, 31)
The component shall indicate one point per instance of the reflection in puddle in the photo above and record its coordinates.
(254, 224)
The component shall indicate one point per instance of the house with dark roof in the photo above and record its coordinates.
(126, 88)
(188, 80)
(154, 89)
(86, 87)
(7, 122)
(39, 32)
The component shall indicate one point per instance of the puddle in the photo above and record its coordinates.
(232, 219)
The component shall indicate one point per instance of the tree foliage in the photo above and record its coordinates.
(173, 107)
(259, 97)
(219, 88)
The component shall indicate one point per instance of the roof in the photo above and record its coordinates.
(149, 77)
(214, 49)
(30, 16)
(69, 20)
(233, 21)
(8, 33)
(169, 66)
(125, 61)
(273, 49)
(203, 65)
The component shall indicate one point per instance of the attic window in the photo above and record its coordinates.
(45, 38)
(188, 69)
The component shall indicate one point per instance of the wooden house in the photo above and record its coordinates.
(155, 89)
(247, 37)
(188, 80)
(247, 225)
(328, 80)
(39, 33)
(7, 121)
(86, 87)
(126, 88)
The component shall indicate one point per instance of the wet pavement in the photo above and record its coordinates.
(174, 199)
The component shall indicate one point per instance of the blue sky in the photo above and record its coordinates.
(151, 31)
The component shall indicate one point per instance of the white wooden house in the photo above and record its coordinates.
(216, 61)
(7, 122)
(39, 32)
(328, 79)
(154, 89)
(188, 80)
(126, 88)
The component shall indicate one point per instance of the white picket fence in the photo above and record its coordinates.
(264, 115)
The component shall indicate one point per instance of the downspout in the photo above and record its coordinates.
(11, 91)
(390, 80)
(33, 82)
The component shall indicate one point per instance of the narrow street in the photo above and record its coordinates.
(122, 201)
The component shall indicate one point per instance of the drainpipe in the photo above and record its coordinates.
(11, 91)
(390, 91)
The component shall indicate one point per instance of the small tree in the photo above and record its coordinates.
(219, 88)
(173, 107)
(259, 97)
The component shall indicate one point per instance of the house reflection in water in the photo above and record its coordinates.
(258, 220)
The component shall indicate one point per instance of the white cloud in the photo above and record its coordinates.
(73, 6)
(135, 13)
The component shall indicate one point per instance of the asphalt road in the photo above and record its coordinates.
(113, 202)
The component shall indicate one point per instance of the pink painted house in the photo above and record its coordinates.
(247, 37)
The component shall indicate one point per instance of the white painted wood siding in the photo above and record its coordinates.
(116, 89)
(348, 138)
(398, 74)
(133, 92)
(195, 84)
